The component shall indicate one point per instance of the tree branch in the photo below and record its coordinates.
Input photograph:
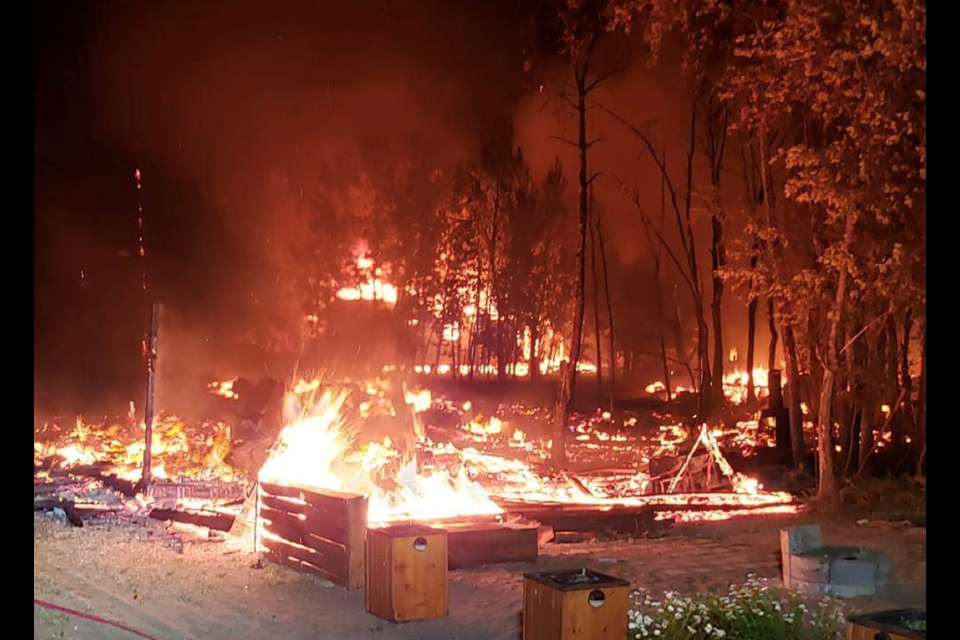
(562, 139)
(663, 242)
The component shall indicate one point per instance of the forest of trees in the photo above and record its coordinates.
(810, 116)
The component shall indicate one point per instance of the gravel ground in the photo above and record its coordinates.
(173, 583)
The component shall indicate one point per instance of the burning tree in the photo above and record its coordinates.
(470, 268)
(576, 30)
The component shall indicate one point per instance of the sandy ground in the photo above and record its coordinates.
(176, 586)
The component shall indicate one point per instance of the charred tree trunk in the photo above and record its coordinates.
(703, 331)
(797, 443)
(906, 379)
(569, 377)
(922, 401)
(681, 343)
(494, 297)
(846, 413)
(535, 350)
(596, 313)
(754, 198)
(455, 358)
(857, 358)
(751, 345)
(868, 422)
(148, 408)
(893, 379)
(774, 336)
(716, 147)
(503, 360)
(847, 408)
(817, 358)
(752, 330)
(716, 308)
(657, 252)
(828, 481)
(475, 327)
(663, 342)
(436, 362)
(606, 290)
(870, 397)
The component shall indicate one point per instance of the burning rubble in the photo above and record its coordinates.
(421, 457)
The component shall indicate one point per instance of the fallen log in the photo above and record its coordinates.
(196, 489)
(49, 504)
(618, 519)
(210, 519)
(574, 537)
(587, 517)
(98, 471)
(491, 543)
(694, 508)
(46, 488)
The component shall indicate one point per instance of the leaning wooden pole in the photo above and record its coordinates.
(151, 387)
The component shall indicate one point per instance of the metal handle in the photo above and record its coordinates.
(420, 544)
(596, 598)
(882, 635)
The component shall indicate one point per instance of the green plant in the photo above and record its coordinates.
(916, 625)
(747, 612)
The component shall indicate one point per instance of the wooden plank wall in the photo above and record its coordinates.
(319, 532)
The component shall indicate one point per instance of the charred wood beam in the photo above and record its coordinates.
(68, 507)
(209, 519)
(128, 488)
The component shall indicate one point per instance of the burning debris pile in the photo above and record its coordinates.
(116, 447)
(415, 456)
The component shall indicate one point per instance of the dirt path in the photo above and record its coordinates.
(140, 576)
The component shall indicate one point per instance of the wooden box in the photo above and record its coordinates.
(407, 573)
(473, 544)
(574, 605)
(319, 532)
(887, 625)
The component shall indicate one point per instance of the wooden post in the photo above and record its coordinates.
(151, 384)
(256, 519)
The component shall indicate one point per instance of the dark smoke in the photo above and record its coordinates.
(235, 110)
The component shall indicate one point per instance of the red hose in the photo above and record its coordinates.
(89, 616)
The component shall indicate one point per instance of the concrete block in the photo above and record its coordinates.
(853, 573)
(802, 539)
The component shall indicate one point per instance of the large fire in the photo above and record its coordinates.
(371, 280)
(485, 463)
(316, 449)
(117, 446)
(735, 385)
(373, 439)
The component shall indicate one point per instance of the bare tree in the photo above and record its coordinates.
(582, 25)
